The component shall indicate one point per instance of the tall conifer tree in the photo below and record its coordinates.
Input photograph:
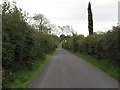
(90, 19)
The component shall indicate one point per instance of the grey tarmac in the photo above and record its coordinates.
(65, 70)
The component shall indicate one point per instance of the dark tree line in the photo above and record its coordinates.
(22, 44)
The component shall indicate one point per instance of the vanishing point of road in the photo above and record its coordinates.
(66, 70)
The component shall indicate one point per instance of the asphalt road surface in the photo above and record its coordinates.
(66, 70)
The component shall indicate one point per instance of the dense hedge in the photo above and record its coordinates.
(22, 44)
(105, 46)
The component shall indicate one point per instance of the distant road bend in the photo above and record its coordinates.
(66, 70)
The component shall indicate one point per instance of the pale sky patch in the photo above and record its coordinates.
(74, 12)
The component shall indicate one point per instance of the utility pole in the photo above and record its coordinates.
(119, 13)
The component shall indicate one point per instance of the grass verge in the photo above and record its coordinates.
(25, 77)
(103, 65)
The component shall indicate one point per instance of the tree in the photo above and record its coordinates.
(90, 19)
(22, 45)
(66, 30)
(41, 21)
(62, 37)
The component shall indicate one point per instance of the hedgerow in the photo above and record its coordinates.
(104, 46)
(21, 43)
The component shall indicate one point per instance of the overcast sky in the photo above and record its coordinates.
(74, 12)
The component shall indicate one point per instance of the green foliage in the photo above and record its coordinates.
(102, 46)
(104, 65)
(90, 19)
(22, 44)
(62, 37)
(23, 78)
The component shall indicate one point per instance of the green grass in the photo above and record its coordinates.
(25, 77)
(102, 64)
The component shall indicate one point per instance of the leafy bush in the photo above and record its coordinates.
(102, 46)
(22, 44)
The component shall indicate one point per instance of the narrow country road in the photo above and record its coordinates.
(66, 70)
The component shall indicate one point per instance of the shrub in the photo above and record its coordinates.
(105, 46)
(22, 44)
